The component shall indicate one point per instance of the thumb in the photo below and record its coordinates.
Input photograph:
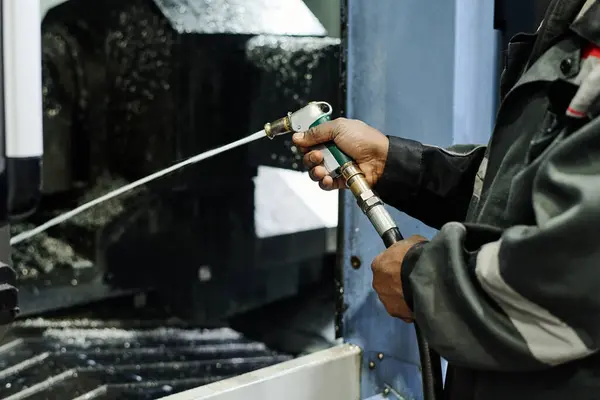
(323, 133)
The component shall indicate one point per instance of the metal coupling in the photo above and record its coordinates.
(301, 120)
(357, 183)
(281, 126)
(370, 204)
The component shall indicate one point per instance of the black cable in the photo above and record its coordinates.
(391, 236)
(431, 369)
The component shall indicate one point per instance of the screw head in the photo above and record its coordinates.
(371, 365)
(380, 356)
(355, 262)
(204, 273)
(386, 391)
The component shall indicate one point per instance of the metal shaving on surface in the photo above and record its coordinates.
(42, 255)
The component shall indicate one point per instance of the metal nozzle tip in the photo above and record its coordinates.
(269, 131)
(279, 127)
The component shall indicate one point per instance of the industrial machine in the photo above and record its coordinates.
(131, 86)
(124, 89)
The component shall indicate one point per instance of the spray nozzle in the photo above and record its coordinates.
(299, 121)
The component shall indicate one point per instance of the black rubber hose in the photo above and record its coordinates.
(431, 369)
(431, 363)
(391, 236)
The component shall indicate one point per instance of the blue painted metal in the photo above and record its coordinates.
(411, 73)
(386, 396)
(378, 397)
(476, 62)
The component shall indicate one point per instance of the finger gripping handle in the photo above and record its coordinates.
(333, 156)
(341, 157)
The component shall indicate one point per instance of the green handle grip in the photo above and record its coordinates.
(341, 157)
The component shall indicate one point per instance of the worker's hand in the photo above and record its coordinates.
(366, 145)
(387, 279)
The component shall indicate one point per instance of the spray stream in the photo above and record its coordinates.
(126, 188)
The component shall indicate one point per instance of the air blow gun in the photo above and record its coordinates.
(339, 164)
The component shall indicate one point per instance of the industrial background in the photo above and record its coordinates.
(239, 262)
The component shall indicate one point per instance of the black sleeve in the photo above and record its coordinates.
(526, 297)
(431, 184)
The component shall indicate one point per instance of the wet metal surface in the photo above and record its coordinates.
(292, 71)
(102, 360)
(256, 17)
(106, 67)
(57, 270)
(131, 87)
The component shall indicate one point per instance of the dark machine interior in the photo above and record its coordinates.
(168, 287)
(171, 287)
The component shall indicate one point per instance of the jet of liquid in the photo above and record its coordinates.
(130, 186)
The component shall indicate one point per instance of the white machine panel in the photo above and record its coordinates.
(332, 374)
(288, 201)
(22, 78)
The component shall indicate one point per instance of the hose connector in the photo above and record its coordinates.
(370, 204)
(278, 127)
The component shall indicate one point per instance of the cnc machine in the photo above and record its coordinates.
(169, 289)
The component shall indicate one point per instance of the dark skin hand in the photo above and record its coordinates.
(368, 147)
(387, 280)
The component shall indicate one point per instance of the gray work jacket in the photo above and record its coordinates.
(508, 291)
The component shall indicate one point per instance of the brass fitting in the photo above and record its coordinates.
(370, 204)
(279, 127)
(355, 179)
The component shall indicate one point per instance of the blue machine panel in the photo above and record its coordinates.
(425, 70)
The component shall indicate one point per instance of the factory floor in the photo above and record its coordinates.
(101, 352)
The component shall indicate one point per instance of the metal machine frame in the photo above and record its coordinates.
(448, 70)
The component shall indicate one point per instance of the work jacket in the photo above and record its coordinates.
(508, 291)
